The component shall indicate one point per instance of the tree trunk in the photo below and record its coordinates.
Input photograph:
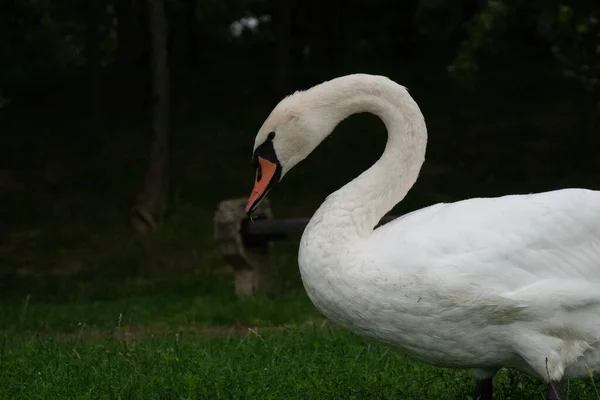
(127, 51)
(284, 14)
(94, 58)
(151, 200)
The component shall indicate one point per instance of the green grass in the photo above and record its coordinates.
(293, 364)
(158, 311)
(181, 345)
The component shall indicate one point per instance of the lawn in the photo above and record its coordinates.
(185, 346)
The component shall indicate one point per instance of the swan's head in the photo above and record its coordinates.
(290, 133)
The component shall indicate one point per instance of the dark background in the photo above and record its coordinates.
(103, 193)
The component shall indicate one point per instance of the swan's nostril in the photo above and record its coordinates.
(258, 173)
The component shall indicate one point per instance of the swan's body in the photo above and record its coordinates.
(483, 283)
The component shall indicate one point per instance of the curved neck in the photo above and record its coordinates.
(357, 207)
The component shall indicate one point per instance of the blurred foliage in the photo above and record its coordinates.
(78, 186)
(576, 43)
(483, 32)
(43, 39)
(570, 30)
(45, 42)
(439, 20)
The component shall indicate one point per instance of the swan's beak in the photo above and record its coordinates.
(265, 178)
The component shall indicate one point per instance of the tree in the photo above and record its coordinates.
(94, 55)
(127, 51)
(152, 198)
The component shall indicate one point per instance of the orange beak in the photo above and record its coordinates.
(264, 174)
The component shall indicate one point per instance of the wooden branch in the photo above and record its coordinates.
(281, 228)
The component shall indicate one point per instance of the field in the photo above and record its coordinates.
(91, 310)
(191, 347)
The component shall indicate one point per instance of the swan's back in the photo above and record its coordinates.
(539, 251)
(563, 225)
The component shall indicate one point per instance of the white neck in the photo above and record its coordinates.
(355, 209)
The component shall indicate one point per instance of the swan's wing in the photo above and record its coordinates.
(521, 256)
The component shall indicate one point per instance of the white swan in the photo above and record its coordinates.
(483, 283)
